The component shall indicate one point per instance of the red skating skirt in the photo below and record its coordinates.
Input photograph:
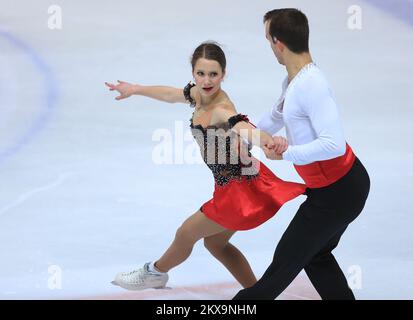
(244, 203)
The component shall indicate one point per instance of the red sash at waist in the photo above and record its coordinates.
(323, 173)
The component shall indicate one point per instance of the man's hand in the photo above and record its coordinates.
(280, 144)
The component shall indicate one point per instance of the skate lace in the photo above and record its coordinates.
(135, 276)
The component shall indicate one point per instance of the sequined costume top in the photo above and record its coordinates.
(224, 152)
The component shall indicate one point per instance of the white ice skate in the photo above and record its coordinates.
(141, 279)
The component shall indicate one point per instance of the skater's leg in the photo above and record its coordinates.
(236, 263)
(325, 274)
(325, 213)
(299, 243)
(194, 228)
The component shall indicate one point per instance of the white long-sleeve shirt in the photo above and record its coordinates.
(309, 112)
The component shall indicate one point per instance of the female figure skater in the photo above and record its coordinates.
(246, 192)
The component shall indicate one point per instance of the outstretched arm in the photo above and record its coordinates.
(162, 93)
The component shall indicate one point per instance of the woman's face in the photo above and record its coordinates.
(208, 76)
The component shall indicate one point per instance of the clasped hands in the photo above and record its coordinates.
(275, 148)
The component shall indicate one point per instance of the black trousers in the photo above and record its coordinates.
(311, 236)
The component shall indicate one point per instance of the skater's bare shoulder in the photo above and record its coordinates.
(222, 111)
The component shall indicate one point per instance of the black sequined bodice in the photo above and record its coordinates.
(224, 152)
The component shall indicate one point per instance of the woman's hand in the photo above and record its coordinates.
(274, 150)
(124, 88)
(271, 154)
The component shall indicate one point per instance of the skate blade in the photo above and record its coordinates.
(139, 289)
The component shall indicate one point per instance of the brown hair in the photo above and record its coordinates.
(290, 26)
(209, 50)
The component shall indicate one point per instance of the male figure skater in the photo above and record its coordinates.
(338, 184)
